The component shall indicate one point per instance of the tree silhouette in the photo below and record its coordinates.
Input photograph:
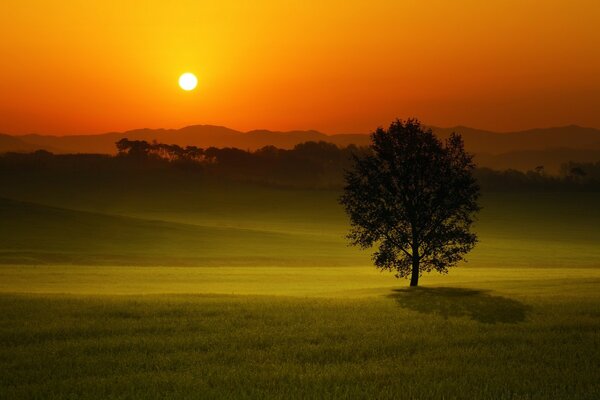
(414, 197)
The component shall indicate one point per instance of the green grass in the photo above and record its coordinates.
(36, 234)
(479, 334)
(260, 226)
(241, 291)
(344, 282)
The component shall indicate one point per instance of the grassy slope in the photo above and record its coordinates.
(229, 331)
(226, 223)
(33, 234)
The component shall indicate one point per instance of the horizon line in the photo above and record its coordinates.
(572, 125)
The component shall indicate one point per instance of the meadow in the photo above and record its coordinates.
(234, 290)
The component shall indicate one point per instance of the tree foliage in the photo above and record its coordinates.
(307, 165)
(142, 150)
(414, 197)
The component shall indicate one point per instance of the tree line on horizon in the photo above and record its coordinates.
(309, 164)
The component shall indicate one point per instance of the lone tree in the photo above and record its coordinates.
(414, 197)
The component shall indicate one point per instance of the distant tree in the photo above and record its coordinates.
(414, 197)
(123, 146)
(133, 148)
(581, 172)
(578, 173)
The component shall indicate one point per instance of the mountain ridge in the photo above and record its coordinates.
(530, 147)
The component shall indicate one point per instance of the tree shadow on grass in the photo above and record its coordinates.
(475, 304)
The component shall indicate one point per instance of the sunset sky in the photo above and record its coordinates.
(336, 66)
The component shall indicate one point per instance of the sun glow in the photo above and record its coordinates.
(188, 81)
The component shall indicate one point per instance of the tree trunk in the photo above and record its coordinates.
(414, 278)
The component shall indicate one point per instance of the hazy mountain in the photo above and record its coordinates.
(480, 141)
(526, 160)
(15, 144)
(522, 150)
(196, 135)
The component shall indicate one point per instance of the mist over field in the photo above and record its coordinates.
(158, 214)
(148, 277)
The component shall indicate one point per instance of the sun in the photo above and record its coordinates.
(188, 81)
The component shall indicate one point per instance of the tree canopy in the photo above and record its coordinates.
(415, 198)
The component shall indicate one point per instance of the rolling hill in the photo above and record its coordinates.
(478, 141)
(197, 135)
(16, 144)
(33, 233)
(521, 150)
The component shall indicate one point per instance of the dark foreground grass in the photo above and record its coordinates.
(424, 343)
(523, 322)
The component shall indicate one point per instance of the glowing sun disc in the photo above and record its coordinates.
(188, 81)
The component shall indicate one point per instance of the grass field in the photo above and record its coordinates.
(289, 332)
(239, 224)
(251, 292)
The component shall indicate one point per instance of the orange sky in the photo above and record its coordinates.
(336, 66)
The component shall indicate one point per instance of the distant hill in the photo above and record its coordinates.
(91, 238)
(480, 141)
(15, 144)
(196, 135)
(526, 160)
(522, 150)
